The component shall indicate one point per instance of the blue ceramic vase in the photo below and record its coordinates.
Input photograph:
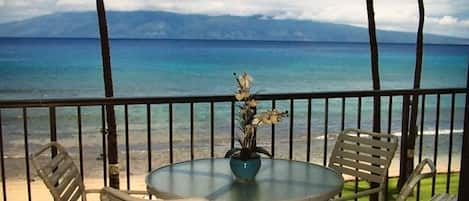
(245, 170)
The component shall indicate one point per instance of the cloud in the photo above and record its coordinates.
(447, 25)
(401, 15)
(70, 5)
(448, 20)
(12, 10)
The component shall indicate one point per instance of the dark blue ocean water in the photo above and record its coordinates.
(46, 68)
(68, 68)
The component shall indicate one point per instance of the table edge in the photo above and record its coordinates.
(167, 195)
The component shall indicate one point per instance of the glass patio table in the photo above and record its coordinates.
(277, 179)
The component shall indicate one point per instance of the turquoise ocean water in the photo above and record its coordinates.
(38, 68)
(50, 68)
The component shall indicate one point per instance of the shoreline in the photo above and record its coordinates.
(14, 156)
(15, 168)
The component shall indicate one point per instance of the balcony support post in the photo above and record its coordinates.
(464, 170)
(110, 113)
(375, 76)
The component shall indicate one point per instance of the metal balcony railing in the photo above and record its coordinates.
(202, 121)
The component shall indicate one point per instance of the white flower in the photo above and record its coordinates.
(245, 81)
(256, 121)
(270, 117)
(252, 103)
(241, 95)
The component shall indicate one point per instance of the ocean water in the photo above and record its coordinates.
(67, 68)
(39, 68)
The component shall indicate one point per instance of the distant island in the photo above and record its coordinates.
(167, 25)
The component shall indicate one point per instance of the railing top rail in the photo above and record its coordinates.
(219, 98)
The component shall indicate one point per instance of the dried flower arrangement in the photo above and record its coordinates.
(249, 120)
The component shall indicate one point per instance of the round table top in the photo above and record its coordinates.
(277, 179)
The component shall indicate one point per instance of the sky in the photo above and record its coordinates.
(444, 17)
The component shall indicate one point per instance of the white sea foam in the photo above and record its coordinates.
(433, 132)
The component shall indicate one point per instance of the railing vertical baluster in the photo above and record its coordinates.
(104, 154)
(212, 125)
(326, 123)
(359, 113)
(359, 120)
(127, 148)
(390, 115)
(291, 129)
(80, 141)
(2, 164)
(450, 148)
(192, 129)
(435, 150)
(342, 115)
(389, 129)
(403, 174)
(170, 121)
(342, 122)
(308, 141)
(53, 129)
(422, 124)
(272, 147)
(26, 151)
(232, 125)
(149, 136)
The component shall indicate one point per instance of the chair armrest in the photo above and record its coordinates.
(131, 192)
(415, 177)
(93, 191)
(111, 194)
(422, 164)
(136, 192)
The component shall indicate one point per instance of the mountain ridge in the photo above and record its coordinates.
(168, 25)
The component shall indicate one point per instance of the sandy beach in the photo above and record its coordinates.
(17, 188)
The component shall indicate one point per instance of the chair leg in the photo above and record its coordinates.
(381, 195)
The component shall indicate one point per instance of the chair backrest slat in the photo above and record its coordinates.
(76, 196)
(60, 174)
(53, 164)
(366, 167)
(362, 149)
(361, 158)
(70, 190)
(69, 177)
(378, 141)
(353, 172)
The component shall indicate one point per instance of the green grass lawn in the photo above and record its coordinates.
(425, 188)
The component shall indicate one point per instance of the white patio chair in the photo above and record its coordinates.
(60, 174)
(416, 176)
(365, 155)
